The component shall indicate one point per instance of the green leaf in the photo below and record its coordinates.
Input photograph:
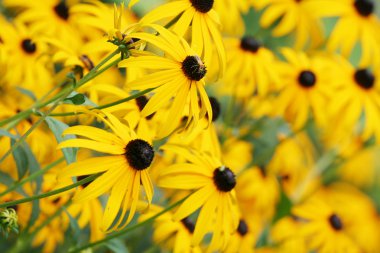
(8, 134)
(57, 127)
(283, 208)
(117, 246)
(77, 99)
(7, 180)
(28, 93)
(74, 226)
(21, 160)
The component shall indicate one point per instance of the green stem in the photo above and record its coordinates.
(51, 193)
(31, 177)
(127, 230)
(106, 105)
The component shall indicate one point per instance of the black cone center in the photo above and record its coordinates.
(28, 46)
(250, 44)
(193, 68)
(307, 79)
(364, 78)
(139, 154)
(203, 6)
(224, 179)
(364, 7)
(62, 10)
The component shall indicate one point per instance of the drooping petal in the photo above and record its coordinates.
(194, 202)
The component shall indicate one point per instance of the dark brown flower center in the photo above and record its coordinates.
(250, 44)
(215, 105)
(62, 10)
(189, 224)
(364, 7)
(307, 79)
(335, 222)
(203, 6)
(141, 103)
(193, 68)
(224, 179)
(364, 78)
(28, 46)
(242, 228)
(139, 154)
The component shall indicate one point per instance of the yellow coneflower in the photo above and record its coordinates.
(295, 16)
(214, 194)
(180, 75)
(204, 26)
(251, 68)
(357, 23)
(358, 98)
(329, 221)
(51, 17)
(308, 85)
(124, 169)
(34, 72)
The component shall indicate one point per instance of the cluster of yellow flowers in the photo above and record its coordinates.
(190, 125)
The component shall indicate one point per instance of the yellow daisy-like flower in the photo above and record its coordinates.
(214, 193)
(125, 169)
(180, 75)
(331, 218)
(358, 98)
(50, 17)
(296, 16)
(251, 68)
(308, 83)
(33, 72)
(204, 23)
(357, 23)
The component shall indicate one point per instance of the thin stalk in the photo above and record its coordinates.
(51, 193)
(106, 105)
(127, 230)
(32, 177)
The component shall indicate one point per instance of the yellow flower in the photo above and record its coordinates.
(296, 16)
(214, 194)
(204, 26)
(338, 219)
(50, 17)
(357, 23)
(28, 63)
(180, 75)
(308, 84)
(252, 68)
(358, 102)
(124, 169)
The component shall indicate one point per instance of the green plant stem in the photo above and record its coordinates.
(51, 193)
(106, 105)
(127, 230)
(31, 177)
